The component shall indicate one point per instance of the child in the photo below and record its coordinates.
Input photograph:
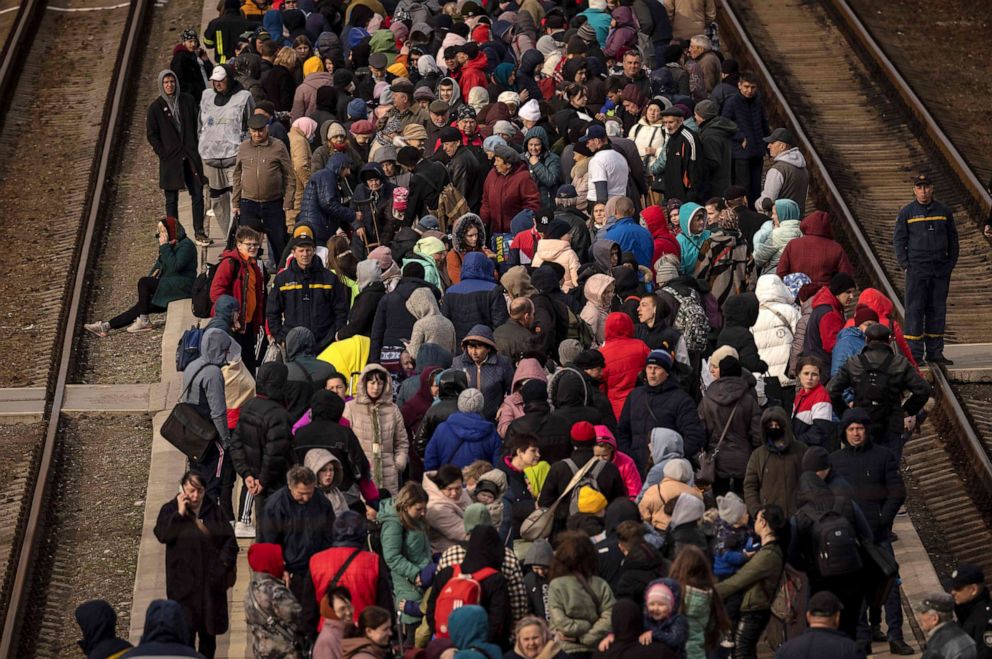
(733, 547)
(473, 472)
(662, 621)
(489, 490)
(812, 411)
(642, 563)
(536, 580)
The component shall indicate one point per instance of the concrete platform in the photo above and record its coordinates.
(972, 362)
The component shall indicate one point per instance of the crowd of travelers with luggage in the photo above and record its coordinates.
(514, 350)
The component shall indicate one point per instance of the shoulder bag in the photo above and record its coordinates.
(539, 523)
(186, 429)
(707, 461)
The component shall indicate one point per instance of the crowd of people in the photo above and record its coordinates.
(515, 351)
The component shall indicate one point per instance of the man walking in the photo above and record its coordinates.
(926, 244)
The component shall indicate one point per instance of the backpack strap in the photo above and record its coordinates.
(484, 573)
(341, 570)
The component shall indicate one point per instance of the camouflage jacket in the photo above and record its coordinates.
(273, 614)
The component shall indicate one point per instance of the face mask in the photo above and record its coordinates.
(775, 434)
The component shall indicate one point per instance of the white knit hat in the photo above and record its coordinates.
(530, 110)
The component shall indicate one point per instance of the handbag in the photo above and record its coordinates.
(707, 461)
(539, 523)
(186, 429)
(881, 571)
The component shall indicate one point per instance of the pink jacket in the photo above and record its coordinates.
(625, 463)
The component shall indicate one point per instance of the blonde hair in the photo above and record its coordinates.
(475, 470)
(286, 57)
(532, 621)
(410, 495)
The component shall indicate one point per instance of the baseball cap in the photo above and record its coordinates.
(940, 602)
(922, 179)
(594, 132)
(781, 135)
(219, 73)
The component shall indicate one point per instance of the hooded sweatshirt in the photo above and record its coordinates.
(815, 253)
(512, 406)
(599, 291)
(98, 622)
(740, 313)
(665, 444)
(625, 464)
(431, 326)
(315, 460)
(690, 243)
(625, 357)
(166, 632)
(203, 381)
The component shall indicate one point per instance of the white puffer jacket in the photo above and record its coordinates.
(776, 324)
(645, 135)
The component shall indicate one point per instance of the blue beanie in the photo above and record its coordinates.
(522, 221)
(660, 358)
(357, 109)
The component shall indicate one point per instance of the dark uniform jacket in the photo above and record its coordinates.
(313, 298)
(819, 643)
(975, 618)
(926, 235)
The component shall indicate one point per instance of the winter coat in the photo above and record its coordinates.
(167, 632)
(820, 643)
(926, 236)
(813, 417)
(176, 268)
(771, 241)
(825, 322)
(547, 170)
(406, 552)
(576, 614)
(198, 564)
(263, 172)
(599, 292)
(775, 327)
(260, 445)
(647, 135)
(662, 406)
(758, 579)
(623, 36)
(505, 195)
(665, 445)
(752, 122)
(740, 313)
(873, 472)
(307, 374)
(512, 406)
(324, 431)
(366, 577)
(551, 428)
(232, 278)
(272, 613)
(362, 313)
(173, 137)
(690, 17)
(445, 518)
(379, 428)
(611, 484)
(664, 241)
(313, 298)
(642, 565)
(204, 381)
(560, 252)
(431, 326)
(513, 340)
(632, 237)
(477, 299)
(652, 504)
(902, 378)
(299, 154)
(461, 439)
(576, 397)
(191, 70)
(492, 377)
(850, 342)
(280, 87)
(772, 476)
(683, 173)
(815, 253)
(690, 243)
(724, 264)
(744, 430)
(455, 257)
(881, 305)
(625, 464)
(466, 174)
(301, 529)
(625, 357)
(696, 606)
(322, 207)
(305, 97)
(717, 137)
(393, 323)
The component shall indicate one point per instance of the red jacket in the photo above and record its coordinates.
(505, 196)
(816, 253)
(361, 578)
(661, 233)
(231, 279)
(825, 322)
(472, 74)
(875, 300)
(625, 357)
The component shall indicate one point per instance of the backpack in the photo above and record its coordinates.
(188, 348)
(835, 543)
(579, 330)
(200, 293)
(872, 390)
(591, 480)
(461, 590)
(691, 320)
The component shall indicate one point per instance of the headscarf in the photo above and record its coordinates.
(484, 550)
(501, 76)
(307, 126)
(427, 65)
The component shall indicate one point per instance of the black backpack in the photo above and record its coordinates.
(200, 293)
(835, 543)
(871, 392)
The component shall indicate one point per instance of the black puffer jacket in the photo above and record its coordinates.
(307, 374)
(261, 443)
(451, 383)
(608, 554)
(725, 396)
(325, 431)
(393, 321)
(873, 474)
(740, 313)
(550, 314)
(664, 406)
(577, 397)
(552, 430)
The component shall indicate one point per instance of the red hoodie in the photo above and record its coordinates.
(661, 233)
(815, 253)
(876, 301)
(625, 357)
(472, 74)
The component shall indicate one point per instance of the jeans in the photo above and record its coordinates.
(747, 174)
(749, 629)
(195, 189)
(146, 291)
(270, 218)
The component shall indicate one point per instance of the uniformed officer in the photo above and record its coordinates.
(926, 246)
(973, 606)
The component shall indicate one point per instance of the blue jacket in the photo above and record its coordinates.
(752, 123)
(632, 237)
(600, 21)
(850, 342)
(477, 299)
(926, 235)
(461, 440)
(321, 207)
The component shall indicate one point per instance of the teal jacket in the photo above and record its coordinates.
(406, 553)
(176, 267)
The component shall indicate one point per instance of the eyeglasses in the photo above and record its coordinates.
(250, 245)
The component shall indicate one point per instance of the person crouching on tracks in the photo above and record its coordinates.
(171, 279)
(926, 245)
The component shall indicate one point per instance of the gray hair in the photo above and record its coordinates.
(702, 41)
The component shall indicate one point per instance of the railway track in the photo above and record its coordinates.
(865, 134)
(59, 139)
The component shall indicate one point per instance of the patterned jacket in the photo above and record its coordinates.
(272, 613)
(511, 570)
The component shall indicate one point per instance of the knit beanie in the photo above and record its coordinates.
(534, 391)
(862, 314)
(471, 401)
(659, 592)
(731, 508)
(583, 432)
(477, 514)
(841, 282)
(357, 109)
(730, 367)
(816, 458)
(677, 469)
(660, 358)
(590, 501)
(384, 256)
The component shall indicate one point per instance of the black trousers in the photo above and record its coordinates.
(301, 585)
(747, 174)
(195, 189)
(146, 291)
(849, 589)
(248, 340)
(207, 644)
(749, 629)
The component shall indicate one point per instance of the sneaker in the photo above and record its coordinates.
(139, 325)
(99, 328)
(242, 530)
(203, 240)
(901, 647)
(939, 360)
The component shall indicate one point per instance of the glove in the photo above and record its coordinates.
(427, 574)
(412, 608)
